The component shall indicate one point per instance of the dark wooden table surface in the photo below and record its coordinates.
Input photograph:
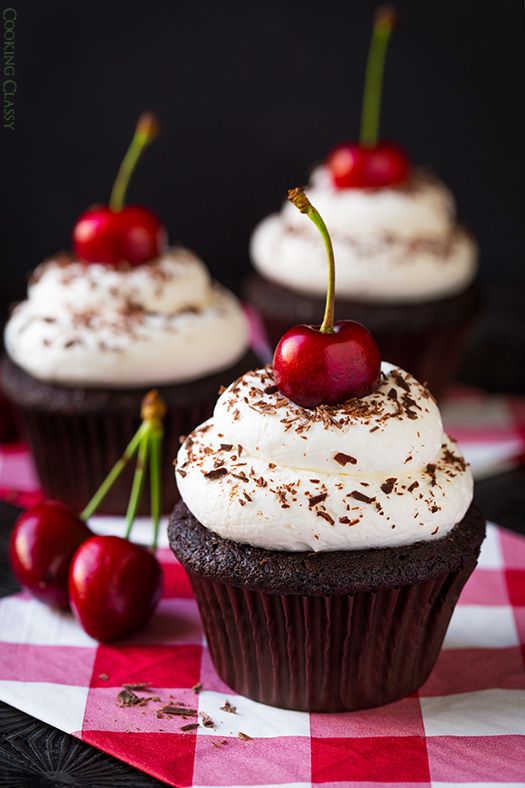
(35, 755)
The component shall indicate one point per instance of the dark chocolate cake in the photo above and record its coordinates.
(331, 631)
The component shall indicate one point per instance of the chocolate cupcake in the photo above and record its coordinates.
(91, 339)
(406, 269)
(326, 547)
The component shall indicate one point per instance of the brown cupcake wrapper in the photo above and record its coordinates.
(327, 653)
(73, 452)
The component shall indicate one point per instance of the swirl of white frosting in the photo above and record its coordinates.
(373, 472)
(392, 244)
(96, 325)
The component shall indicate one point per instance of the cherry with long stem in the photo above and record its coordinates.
(330, 363)
(371, 162)
(117, 234)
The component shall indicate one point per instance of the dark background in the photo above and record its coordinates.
(250, 95)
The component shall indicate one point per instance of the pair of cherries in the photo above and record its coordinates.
(111, 584)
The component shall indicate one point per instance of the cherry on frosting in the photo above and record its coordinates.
(327, 364)
(115, 233)
(41, 547)
(371, 162)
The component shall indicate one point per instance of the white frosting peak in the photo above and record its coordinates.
(99, 325)
(373, 472)
(392, 244)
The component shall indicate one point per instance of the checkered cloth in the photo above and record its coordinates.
(466, 725)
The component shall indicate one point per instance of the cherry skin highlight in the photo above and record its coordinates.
(41, 547)
(355, 166)
(114, 587)
(313, 368)
(133, 235)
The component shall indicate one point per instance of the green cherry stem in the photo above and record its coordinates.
(114, 473)
(384, 22)
(155, 480)
(138, 481)
(146, 131)
(147, 441)
(298, 198)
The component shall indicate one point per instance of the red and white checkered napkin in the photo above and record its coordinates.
(466, 725)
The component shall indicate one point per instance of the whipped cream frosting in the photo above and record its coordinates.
(373, 472)
(161, 322)
(393, 244)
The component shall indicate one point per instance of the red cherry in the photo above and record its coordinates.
(41, 547)
(313, 368)
(116, 234)
(355, 166)
(114, 587)
(133, 235)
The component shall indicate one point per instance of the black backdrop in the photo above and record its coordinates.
(250, 95)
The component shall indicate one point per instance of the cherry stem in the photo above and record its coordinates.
(114, 473)
(298, 198)
(147, 441)
(138, 482)
(155, 480)
(384, 22)
(146, 131)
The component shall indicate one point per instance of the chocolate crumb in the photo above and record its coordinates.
(413, 486)
(229, 707)
(326, 517)
(178, 711)
(271, 390)
(142, 686)
(359, 496)
(346, 521)
(388, 485)
(191, 726)
(244, 736)
(127, 698)
(206, 720)
(196, 688)
(227, 446)
(317, 499)
(216, 473)
(344, 459)
(222, 389)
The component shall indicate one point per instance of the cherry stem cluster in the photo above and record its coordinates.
(298, 198)
(384, 22)
(147, 445)
(146, 131)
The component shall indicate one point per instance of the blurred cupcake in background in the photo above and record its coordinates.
(406, 268)
(103, 326)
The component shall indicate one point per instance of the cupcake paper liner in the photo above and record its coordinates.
(327, 653)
